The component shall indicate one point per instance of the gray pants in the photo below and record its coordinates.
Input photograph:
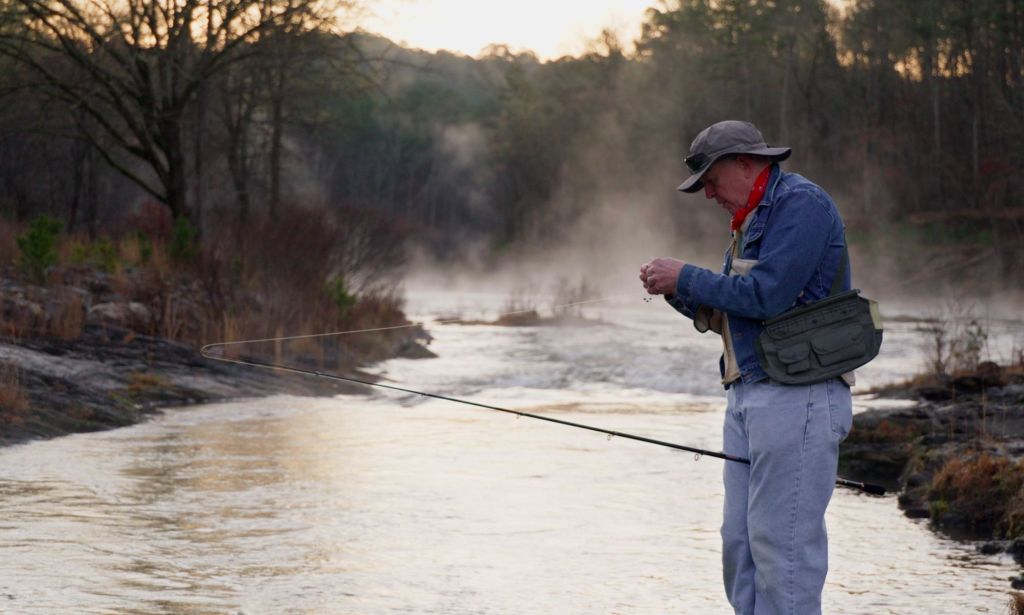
(774, 545)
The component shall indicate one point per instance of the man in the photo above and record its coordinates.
(788, 245)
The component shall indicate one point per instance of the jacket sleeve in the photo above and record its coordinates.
(791, 249)
(686, 308)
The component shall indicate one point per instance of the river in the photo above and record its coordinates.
(389, 503)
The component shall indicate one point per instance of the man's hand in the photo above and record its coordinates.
(659, 276)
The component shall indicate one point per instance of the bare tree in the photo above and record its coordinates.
(133, 68)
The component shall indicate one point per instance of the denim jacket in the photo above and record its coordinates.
(797, 238)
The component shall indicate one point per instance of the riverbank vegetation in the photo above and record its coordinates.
(306, 273)
(956, 457)
(97, 333)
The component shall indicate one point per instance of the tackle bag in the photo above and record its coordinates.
(821, 340)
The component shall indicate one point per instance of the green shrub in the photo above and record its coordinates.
(104, 255)
(183, 248)
(80, 254)
(145, 248)
(339, 294)
(38, 246)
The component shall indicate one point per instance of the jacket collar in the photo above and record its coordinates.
(773, 182)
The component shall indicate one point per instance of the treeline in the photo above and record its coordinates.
(220, 113)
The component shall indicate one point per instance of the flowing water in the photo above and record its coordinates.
(389, 503)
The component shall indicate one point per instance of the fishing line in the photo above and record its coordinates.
(393, 327)
(698, 452)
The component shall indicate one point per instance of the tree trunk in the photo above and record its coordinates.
(177, 182)
(78, 154)
(92, 196)
(198, 161)
(783, 136)
(276, 136)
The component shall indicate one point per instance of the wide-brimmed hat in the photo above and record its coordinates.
(722, 139)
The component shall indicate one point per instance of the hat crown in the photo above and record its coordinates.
(730, 135)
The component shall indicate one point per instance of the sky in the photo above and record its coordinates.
(550, 28)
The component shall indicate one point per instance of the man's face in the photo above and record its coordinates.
(729, 182)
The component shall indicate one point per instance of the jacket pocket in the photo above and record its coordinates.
(753, 235)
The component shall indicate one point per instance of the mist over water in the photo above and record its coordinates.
(392, 503)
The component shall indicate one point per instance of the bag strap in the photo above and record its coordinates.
(841, 272)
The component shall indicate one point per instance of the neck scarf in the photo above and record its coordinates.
(753, 199)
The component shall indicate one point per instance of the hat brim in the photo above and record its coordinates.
(693, 183)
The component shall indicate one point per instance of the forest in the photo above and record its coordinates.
(272, 129)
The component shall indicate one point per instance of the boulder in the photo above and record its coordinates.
(1016, 549)
(127, 315)
(21, 312)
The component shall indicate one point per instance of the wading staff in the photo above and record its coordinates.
(699, 452)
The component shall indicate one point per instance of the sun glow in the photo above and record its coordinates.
(549, 29)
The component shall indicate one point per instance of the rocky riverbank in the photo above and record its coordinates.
(954, 452)
(85, 353)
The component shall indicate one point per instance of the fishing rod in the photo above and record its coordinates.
(873, 489)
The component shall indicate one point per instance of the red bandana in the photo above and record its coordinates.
(754, 199)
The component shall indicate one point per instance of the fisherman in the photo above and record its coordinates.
(788, 245)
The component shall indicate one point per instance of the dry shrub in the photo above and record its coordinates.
(69, 320)
(173, 320)
(81, 412)
(1016, 606)
(8, 241)
(130, 250)
(141, 382)
(307, 272)
(975, 491)
(568, 296)
(1015, 369)
(74, 249)
(12, 328)
(1014, 516)
(888, 431)
(955, 340)
(13, 398)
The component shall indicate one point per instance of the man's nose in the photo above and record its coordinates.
(709, 193)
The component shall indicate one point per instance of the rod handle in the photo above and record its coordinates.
(870, 488)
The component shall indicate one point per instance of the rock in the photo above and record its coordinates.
(991, 548)
(1017, 582)
(934, 439)
(412, 349)
(916, 479)
(99, 283)
(20, 311)
(917, 512)
(128, 315)
(990, 373)
(1016, 549)
(935, 393)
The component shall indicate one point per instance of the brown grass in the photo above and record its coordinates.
(886, 431)
(68, 322)
(1016, 605)
(141, 382)
(80, 412)
(8, 241)
(13, 398)
(12, 329)
(976, 491)
(914, 382)
(1014, 515)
